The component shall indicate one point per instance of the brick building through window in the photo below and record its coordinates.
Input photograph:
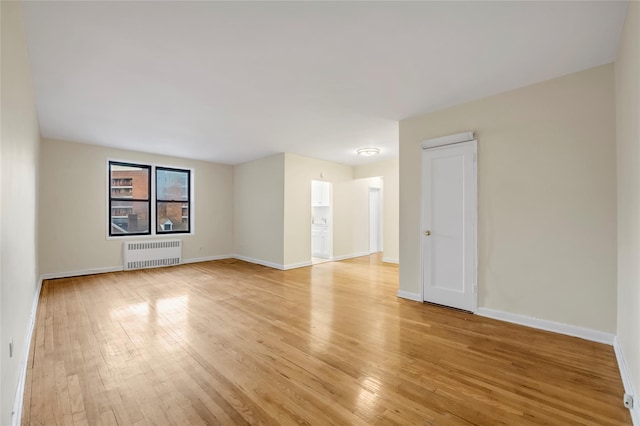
(129, 200)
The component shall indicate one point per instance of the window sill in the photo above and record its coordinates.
(149, 236)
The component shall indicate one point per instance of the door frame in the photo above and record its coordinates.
(442, 143)
(378, 208)
(329, 225)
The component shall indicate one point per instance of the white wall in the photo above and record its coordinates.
(258, 210)
(19, 146)
(73, 207)
(627, 91)
(389, 170)
(299, 172)
(547, 198)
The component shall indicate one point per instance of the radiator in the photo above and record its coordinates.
(152, 254)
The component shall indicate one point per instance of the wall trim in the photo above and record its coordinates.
(207, 258)
(556, 327)
(448, 140)
(297, 265)
(350, 256)
(391, 260)
(626, 381)
(16, 415)
(259, 262)
(68, 274)
(408, 295)
(80, 272)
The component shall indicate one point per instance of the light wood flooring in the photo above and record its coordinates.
(228, 342)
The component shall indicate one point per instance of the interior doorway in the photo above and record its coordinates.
(375, 220)
(321, 222)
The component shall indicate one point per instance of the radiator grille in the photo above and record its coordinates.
(152, 254)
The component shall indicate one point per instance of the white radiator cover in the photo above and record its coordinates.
(152, 254)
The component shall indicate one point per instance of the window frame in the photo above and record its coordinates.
(152, 194)
(111, 198)
(157, 200)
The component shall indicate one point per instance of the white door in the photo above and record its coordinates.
(375, 234)
(449, 225)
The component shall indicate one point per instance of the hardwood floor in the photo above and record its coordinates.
(228, 342)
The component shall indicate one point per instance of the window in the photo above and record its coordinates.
(173, 200)
(129, 201)
(139, 205)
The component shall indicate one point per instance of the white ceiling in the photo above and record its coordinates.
(231, 82)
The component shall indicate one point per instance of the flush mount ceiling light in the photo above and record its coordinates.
(368, 152)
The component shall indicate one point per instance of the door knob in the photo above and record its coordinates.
(427, 232)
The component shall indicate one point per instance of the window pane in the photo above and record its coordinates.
(173, 217)
(172, 185)
(129, 217)
(129, 182)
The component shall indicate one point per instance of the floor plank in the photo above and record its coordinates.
(229, 342)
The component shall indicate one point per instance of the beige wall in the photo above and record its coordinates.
(73, 207)
(299, 172)
(389, 170)
(627, 90)
(19, 146)
(547, 198)
(258, 210)
(351, 218)
(282, 237)
(239, 210)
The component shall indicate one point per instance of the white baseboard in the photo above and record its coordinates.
(409, 295)
(297, 265)
(627, 382)
(208, 258)
(16, 415)
(78, 273)
(68, 274)
(270, 264)
(556, 327)
(259, 262)
(350, 256)
(294, 265)
(390, 260)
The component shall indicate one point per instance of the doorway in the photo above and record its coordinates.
(375, 220)
(449, 219)
(321, 222)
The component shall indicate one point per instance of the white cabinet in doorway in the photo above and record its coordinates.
(320, 242)
(320, 193)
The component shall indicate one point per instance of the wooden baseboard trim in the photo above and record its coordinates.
(556, 327)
